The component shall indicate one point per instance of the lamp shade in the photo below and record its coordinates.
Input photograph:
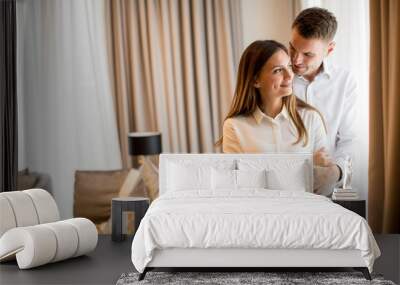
(144, 143)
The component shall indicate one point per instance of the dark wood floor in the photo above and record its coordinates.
(389, 262)
(110, 260)
(102, 266)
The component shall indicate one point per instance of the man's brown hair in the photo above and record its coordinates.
(316, 23)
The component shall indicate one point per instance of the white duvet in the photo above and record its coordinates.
(252, 218)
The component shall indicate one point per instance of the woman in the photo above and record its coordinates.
(265, 116)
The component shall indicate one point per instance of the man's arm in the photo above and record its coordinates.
(346, 136)
(326, 173)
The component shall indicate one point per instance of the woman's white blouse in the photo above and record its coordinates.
(259, 133)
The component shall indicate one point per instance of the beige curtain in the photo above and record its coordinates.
(384, 158)
(174, 67)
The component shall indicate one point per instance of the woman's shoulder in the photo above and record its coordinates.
(308, 112)
(310, 115)
(237, 120)
(238, 123)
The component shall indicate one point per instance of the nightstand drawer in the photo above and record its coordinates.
(357, 206)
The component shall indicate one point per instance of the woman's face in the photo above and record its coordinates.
(275, 78)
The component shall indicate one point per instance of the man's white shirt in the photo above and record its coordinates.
(334, 93)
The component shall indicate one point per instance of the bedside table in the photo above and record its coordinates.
(357, 206)
(138, 205)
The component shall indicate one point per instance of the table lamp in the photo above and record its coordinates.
(144, 143)
(141, 144)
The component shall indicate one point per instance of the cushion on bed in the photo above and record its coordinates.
(187, 178)
(291, 180)
(227, 179)
(194, 174)
(251, 178)
(223, 179)
(282, 174)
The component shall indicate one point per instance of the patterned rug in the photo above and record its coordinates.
(229, 278)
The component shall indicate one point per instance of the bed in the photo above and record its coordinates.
(247, 210)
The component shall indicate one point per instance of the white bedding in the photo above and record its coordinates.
(251, 218)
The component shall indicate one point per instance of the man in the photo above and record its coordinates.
(330, 89)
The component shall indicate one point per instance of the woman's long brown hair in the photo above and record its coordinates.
(247, 97)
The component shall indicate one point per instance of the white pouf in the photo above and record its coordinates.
(7, 218)
(67, 237)
(31, 233)
(33, 246)
(87, 234)
(26, 208)
(23, 208)
(46, 207)
(40, 244)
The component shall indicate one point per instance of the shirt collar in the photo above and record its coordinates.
(326, 68)
(259, 115)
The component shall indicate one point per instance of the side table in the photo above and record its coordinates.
(138, 205)
(357, 206)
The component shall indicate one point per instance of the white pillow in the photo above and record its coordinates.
(290, 179)
(223, 179)
(181, 177)
(290, 174)
(235, 179)
(251, 178)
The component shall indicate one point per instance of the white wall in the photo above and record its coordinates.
(266, 19)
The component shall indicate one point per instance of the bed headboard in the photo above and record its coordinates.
(269, 160)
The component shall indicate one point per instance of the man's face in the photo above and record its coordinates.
(307, 54)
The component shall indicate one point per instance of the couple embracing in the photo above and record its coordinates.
(291, 99)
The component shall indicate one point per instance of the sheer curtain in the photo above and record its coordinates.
(174, 69)
(352, 53)
(64, 82)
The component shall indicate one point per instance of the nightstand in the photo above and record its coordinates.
(357, 206)
(138, 205)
